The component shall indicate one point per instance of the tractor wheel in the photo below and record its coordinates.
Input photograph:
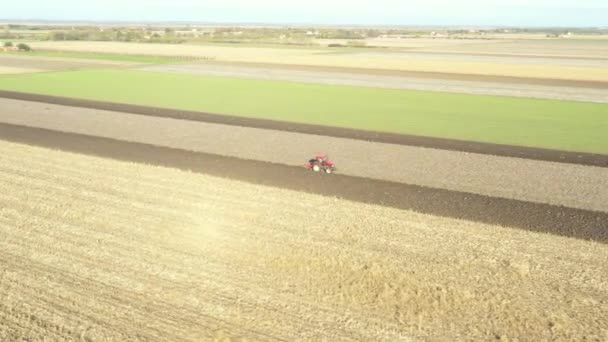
(316, 168)
(328, 171)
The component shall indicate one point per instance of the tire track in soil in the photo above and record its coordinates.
(576, 223)
(581, 158)
(110, 300)
(83, 262)
(78, 243)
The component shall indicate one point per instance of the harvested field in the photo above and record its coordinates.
(104, 250)
(526, 180)
(358, 59)
(390, 82)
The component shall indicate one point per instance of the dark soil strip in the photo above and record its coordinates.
(555, 82)
(399, 139)
(577, 223)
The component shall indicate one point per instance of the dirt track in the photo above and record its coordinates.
(391, 82)
(526, 180)
(437, 143)
(537, 217)
(93, 249)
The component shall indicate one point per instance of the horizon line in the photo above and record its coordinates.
(271, 24)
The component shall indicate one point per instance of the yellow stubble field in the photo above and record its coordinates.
(96, 249)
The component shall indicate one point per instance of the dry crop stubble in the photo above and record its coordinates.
(133, 251)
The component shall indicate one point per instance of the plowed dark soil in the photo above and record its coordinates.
(576, 223)
(446, 144)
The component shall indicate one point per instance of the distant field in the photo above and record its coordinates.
(351, 58)
(104, 57)
(596, 48)
(540, 123)
(587, 46)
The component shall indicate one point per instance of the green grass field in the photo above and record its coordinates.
(540, 123)
(103, 57)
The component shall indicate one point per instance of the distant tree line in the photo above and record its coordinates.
(302, 36)
(115, 35)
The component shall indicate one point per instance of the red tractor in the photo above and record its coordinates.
(321, 162)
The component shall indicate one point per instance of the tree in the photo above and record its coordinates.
(8, 44)
(24, 47)
(57, 36)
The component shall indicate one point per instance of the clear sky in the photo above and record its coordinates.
(377, 12)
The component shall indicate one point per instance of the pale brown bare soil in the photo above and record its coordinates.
(573, 186)
(93, 249)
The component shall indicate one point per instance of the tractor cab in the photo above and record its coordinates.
(321, 158)
(321, 162)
